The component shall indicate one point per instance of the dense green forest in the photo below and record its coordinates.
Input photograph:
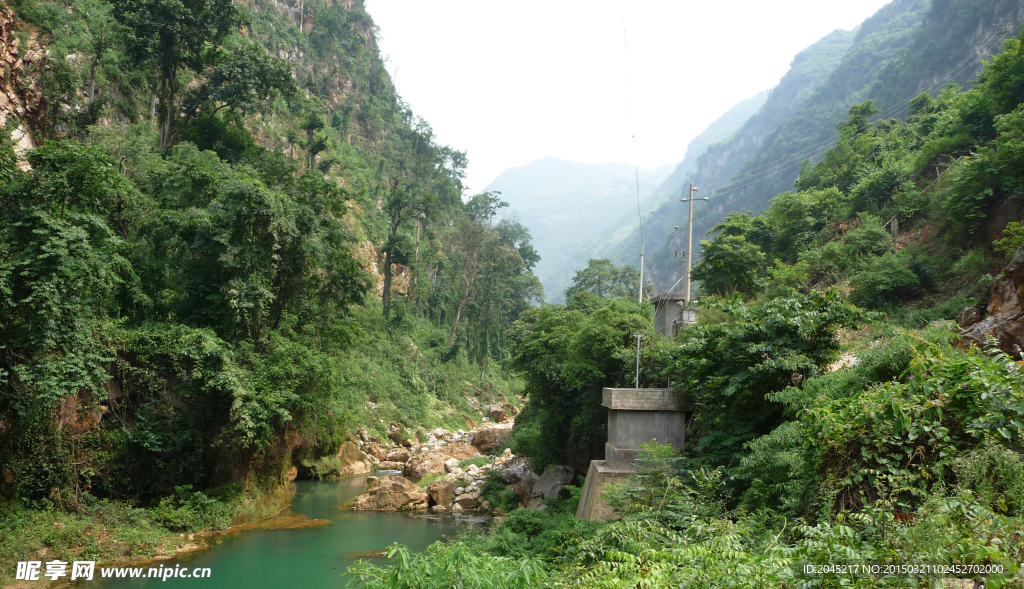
(229, 246)
(842, 418)
(226, 244)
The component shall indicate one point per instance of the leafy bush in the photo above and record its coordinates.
(885, 281)
(444, 566)
(494, 491)
(191, 511)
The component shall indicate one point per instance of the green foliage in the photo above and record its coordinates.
(567, 356)
(731, 368)
(475, 461)
(1012, 240)
(884, 281)
(494, 491)
(602, 278)
(184, 280)
(448, 565)
(730, 264)
(191, 511)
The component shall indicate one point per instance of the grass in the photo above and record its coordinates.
(475, 461)
(111, 531)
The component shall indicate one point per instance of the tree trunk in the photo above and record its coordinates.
(92, 81)
(458, 312)
(386, 295)
(152, 101)
(416, 265)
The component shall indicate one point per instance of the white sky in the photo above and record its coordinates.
(511, 82)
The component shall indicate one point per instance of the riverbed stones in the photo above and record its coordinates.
(388, 465)
(433, 461)
(497, 414)
(442, 492)
(465, 500)
(376, 450)
(551, 483)
(399, 455)
(352, 460)
(391, 493)
(491, 438)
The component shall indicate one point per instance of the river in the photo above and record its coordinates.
(307, 557)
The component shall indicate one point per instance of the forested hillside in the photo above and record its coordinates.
(906, 48)
(841, 416)
(722, 158)
(667, 193)
(226, 243)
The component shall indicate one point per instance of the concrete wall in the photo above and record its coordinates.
(631, 429)
(645, 400)
(593, 505)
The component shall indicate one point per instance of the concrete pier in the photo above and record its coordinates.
(635, 417)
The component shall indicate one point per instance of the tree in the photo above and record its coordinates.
(474, 237)
(173, 35)
(732, 368)
(730, 264)
(602, 278)
(421, 180)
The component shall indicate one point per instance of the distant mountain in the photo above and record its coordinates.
(669, 190)
(724, 157)
(907, 47)
(566, 204)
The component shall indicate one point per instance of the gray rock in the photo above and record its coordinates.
(551, 483)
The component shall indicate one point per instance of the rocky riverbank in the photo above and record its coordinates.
(457, 465)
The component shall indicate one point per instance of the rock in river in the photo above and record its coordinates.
(391, 493)
(433, 460)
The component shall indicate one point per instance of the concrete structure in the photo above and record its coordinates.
(635, 417)
(671, 312)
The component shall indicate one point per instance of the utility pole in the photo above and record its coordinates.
(689, 241)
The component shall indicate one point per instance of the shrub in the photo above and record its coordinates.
(885, 281)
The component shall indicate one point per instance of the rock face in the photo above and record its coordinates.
(399, 455)
(376, 450)
(21, 95)
(549, 485)
(441, 493)
(1006, 313)
(388, 465)
(353, 461)
(497, 414)
(433, 461)
(491, 438)
(391, 493)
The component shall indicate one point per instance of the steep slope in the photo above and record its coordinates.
(808, 70)
(906, 47)
(567, 203)
(720, 130)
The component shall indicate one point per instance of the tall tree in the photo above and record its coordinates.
(174, 35)
(473, 237)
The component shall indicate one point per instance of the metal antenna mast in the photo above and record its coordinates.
(637, 336)
(689, 240)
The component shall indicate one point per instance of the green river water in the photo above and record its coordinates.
(311, 557)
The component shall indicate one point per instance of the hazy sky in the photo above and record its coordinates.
(511, 82)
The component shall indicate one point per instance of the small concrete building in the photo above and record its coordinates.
(671, 312)
(635, 417)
